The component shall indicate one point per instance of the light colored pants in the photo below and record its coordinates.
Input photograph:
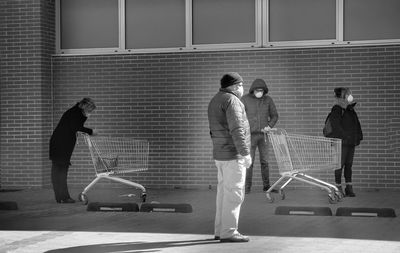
(230, 196)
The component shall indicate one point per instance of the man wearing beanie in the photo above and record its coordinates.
(230, 135)
(262, 115)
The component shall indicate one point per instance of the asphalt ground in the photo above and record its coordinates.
(41, 225)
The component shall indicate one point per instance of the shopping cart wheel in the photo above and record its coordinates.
(82, 197)
(270, 197)
(339, 196)
(144, 197)
(332, 198)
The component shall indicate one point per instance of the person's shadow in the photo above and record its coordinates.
(136, 247)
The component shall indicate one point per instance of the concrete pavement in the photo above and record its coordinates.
(41, 225)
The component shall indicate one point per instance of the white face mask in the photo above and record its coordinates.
(240, 90)
(350, 98)
(258, 94)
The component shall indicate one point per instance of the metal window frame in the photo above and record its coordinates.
(83, 51)
(341, 41)
(261, 40)
(299, 43)
(154, 50)
(255, 44)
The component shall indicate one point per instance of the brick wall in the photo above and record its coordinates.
(164, 97)
(26, 43)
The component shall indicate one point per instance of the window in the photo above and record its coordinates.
(294, 20)
(89, 24)
(123, 26)
(155, 23)
(224, 21)
(371, 20)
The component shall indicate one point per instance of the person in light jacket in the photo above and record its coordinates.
(262, 114)
(62, 144)
(230, 135)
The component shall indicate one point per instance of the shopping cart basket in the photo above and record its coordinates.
(112, 156)
(297, 155)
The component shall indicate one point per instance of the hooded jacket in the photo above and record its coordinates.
(63, 139)
(229, 128)
(345, 124)
(261, 112)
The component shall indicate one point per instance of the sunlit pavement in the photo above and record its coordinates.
(41, 225)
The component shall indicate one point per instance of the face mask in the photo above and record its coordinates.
(240, 91)
(350, 98)
(258, 94)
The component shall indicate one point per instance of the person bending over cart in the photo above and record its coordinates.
(62, 144)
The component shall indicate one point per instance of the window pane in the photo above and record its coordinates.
(155, 23)
(294, 20)
(224, 21)
(89, 24)
(371, 19)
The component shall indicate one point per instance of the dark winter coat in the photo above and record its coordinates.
(229, 127)
(261, 112)
(63, 139)
(346, 125)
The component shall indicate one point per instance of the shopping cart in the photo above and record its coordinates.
(297, 155)
(113, 156)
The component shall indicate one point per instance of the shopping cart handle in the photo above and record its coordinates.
(275, 131)
(269, 130)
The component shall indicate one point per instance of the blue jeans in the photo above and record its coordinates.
(258, 141)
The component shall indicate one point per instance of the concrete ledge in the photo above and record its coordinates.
(365, 212)
(303, 210)
(8, 205)
(112, 207)
(172, 208)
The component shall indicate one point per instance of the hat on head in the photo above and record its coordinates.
(230, 78)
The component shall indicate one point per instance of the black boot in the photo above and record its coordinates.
(266, 188)
(349, 191)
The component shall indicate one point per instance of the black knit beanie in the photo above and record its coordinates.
(230, 78)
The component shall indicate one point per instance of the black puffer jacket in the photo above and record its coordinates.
(346, 125)
(63, 140)
(261, 112)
